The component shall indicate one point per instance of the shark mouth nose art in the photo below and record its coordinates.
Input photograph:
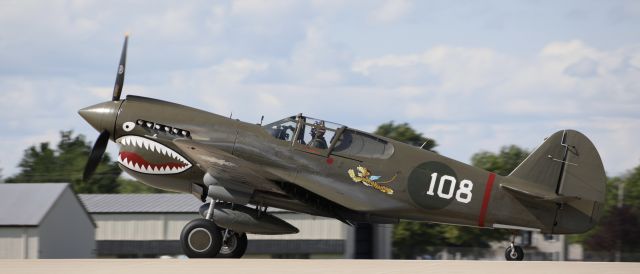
(147, 156)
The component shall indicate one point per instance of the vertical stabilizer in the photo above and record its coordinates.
(569, 165)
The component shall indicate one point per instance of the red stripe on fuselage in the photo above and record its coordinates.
(486, 198)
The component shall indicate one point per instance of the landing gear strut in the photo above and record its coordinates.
(514, 252)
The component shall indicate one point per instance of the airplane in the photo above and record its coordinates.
(321, 168)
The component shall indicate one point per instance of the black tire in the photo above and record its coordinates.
(201, 238)
(234, 246)
(516, 255)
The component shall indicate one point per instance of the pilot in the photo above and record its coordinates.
(317, 135)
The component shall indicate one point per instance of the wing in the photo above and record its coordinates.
(225, 167)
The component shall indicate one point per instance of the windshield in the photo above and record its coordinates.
(282, 129)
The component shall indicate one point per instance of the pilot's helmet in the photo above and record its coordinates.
(318, 127)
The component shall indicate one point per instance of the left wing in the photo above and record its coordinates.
(225, 167)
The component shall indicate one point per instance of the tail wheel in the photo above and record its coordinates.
(233, 245)
(514, 253)
(201, 238)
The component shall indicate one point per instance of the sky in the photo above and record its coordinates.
(473, 75)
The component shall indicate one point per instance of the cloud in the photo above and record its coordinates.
(356, 63)
(585, 68)
(391, 10)
(496, 99)
(545, 85)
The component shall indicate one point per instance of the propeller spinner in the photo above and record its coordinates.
(102, 117)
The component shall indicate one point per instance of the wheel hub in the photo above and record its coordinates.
(513, 254)
(199, 240)
(229, 244)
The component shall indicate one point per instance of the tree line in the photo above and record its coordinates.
(65, 163)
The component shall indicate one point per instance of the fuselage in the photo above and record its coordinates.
(381, 177)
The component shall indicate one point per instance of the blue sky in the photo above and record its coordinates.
(473, 75)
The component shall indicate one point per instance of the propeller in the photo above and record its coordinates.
(96, 155)
(95, 115)
(117, 88)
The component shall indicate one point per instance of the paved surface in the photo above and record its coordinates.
(258, 266)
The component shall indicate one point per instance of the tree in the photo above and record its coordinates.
(502, 163)
(66, 163)
(616, 232)
(406, 134)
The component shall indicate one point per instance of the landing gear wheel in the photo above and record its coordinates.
(201, 238)
(234, 245)
(514, 253)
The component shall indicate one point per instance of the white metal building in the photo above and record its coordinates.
(44, 220)
(149, 225)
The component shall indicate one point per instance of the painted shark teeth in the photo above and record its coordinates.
(153, 146)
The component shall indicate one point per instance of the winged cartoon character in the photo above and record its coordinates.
(364, 176)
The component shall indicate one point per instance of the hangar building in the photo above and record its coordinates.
(149, 225)
(44, 221)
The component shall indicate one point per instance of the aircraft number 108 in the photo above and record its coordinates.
(462, 194)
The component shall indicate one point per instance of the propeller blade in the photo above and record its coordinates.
(96, 155)
(117, 88)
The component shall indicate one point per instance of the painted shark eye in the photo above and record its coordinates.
(128, 126)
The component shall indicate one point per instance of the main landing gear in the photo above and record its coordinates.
(514, 252)
(202, 238)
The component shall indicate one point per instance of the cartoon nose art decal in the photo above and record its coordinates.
(147, 156)
(363, 175)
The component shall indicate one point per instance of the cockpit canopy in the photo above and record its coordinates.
(329, 137)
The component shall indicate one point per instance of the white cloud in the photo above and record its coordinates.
(316, 61)
(262, 8)
(326, 59)
(391, 10)
(496, 99)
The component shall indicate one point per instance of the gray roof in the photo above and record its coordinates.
(140, 203)
(27, 204)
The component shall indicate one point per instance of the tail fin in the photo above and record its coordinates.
(567, 170)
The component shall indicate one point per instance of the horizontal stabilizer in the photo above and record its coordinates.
(534, 193)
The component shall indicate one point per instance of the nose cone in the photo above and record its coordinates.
(101, 116)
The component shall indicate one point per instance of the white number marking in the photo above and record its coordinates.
(463, 193)
(452, 186)
(465, 189)
(432, 185)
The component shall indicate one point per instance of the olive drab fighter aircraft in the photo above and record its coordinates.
(321, 168)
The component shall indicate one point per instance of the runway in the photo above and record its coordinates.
(253, 266)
